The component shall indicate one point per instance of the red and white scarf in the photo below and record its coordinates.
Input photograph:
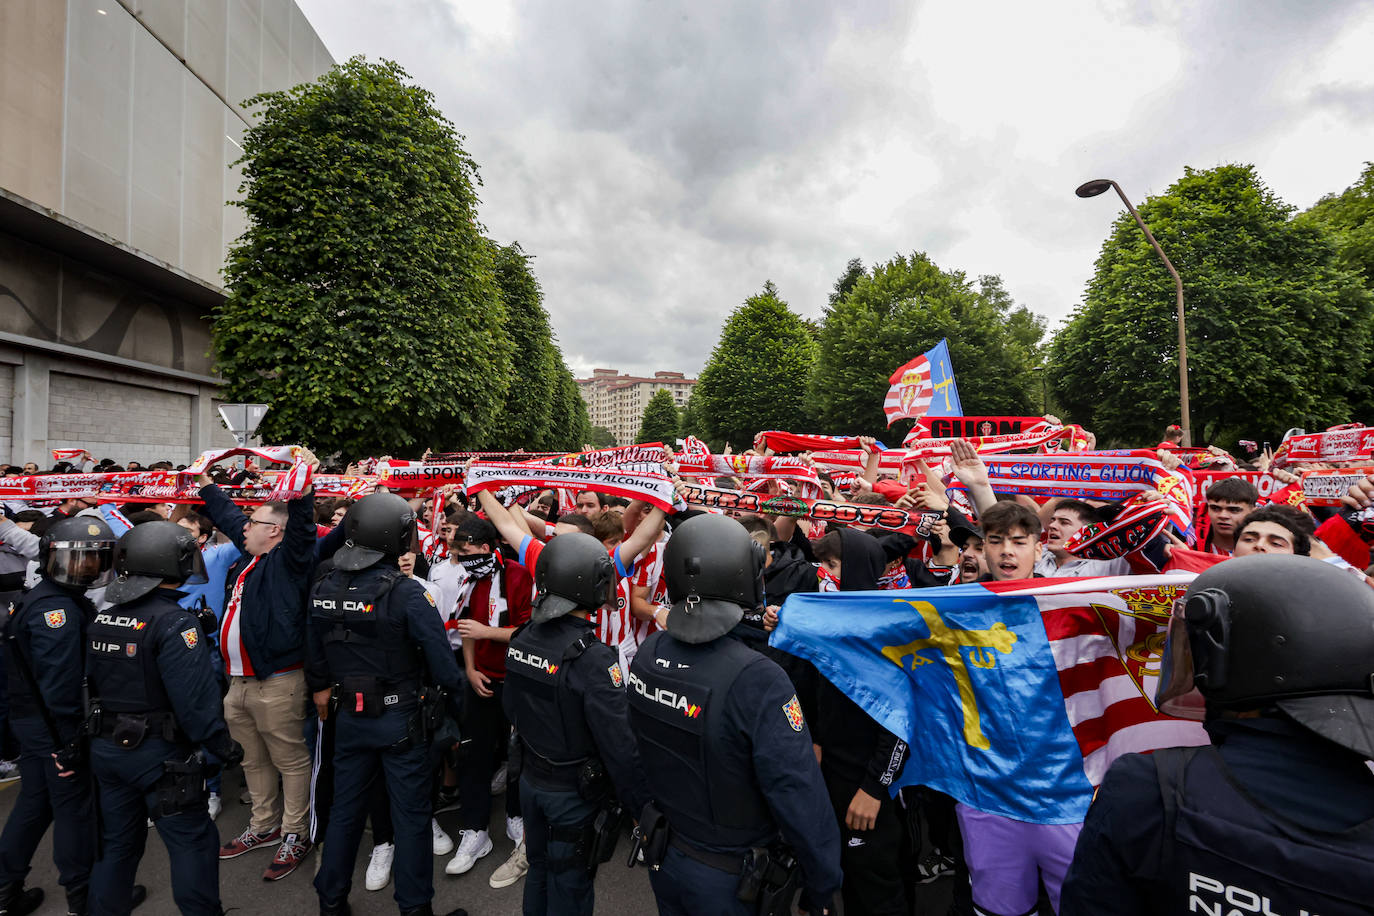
(889, 518)
(654, 488)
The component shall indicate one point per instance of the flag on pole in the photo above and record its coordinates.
(1014, 696)
(924, 386)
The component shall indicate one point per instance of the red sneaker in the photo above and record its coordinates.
(290, 854)
(248, 840)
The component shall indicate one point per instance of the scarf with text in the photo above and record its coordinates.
(1343, 443)
(656, 489)
(971, 427)
(1326, 487)
(1134, 526)
(696, 460)
(889, 518)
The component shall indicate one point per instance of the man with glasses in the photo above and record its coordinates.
(262, 644)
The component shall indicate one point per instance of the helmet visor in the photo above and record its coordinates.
(1175, 695)
(196, 575)
(80, 564)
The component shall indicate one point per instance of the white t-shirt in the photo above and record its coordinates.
(1075, 567)
(446, 580)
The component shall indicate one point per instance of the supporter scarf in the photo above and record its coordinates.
(1135, 526)
(971, 427)
(801, 442)
(826, 581)
(481, 572)
(164, 487)
(992, 445)
(1351, 443)
(408, 477)
(290, 485)
(478, 566)
(1110, 475)
(651, 453)
(67, 454)
(654, 488)
(696, 460)
(1325, 488)
(889, 518)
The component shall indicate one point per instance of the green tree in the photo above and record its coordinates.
(1274, 325)
(362, 304)
(601, 437)
(572, 426)
(899, 310)
(691, 423)
(756, 376)
(1350, 216)
(853, 273)
(526, 420)
(660, 422)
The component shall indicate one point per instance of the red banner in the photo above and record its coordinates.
(969, 427)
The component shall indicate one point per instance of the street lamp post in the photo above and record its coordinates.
(1100, 185)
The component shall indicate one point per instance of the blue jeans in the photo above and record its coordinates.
(559, 883)
(128, 779)
(46, 798)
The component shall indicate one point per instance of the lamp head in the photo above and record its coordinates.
(1093, 188)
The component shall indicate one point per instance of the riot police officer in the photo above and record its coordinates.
(156, 710)
(730, 765)
(373, 634)
(565, 694)
(1277, 814)
(44, 658)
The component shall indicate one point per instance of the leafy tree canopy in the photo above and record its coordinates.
(1350, 216)
(899, 310)
(601, 437)
(527, 418)
(755, 377)
(660, 422)
(1278, 333)
(362, 302)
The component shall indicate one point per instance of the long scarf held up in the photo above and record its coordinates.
(696, 460)
(654, 488)
(1134, 526)
(123, 486)
(287, 486)
(651, 453)
(1111, 475)
(889, 518)
(1350, 443)
(1326, 487)
(780, 441)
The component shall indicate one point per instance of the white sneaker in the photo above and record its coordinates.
(498, 781)
(9, 770)
(379, 866)
(443, 843)
(512, 870)
(515, 829)
(473, 845)
(215, 805)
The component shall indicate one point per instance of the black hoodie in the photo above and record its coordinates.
(857, 749)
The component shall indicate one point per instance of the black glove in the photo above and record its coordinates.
(229, 751)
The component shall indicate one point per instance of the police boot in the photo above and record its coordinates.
(77, 902)
(16, 900)
(335, 909)
(137, 896)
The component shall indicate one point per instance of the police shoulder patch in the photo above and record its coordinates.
(190, 637)
(55, 619)
(617, 678)
(792, 709)
(430, 599)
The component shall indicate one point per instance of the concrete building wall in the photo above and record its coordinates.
(152, 425)
(6, 407)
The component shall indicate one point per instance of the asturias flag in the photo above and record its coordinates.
(1015, 697)
(924, 386)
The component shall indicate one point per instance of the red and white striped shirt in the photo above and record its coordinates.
(236, 661)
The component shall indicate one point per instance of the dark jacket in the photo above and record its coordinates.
(273, 612)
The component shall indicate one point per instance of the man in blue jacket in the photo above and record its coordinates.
(262, 645)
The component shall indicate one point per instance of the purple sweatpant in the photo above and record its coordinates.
(1008, 859)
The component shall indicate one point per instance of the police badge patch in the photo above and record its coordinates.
(792, 709)
(617, 678)
(430, 599)
(55, 619)
(190, 637)
(131, 649)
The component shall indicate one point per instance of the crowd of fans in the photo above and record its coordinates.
(477, 560)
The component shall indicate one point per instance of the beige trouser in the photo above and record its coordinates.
(268, 718)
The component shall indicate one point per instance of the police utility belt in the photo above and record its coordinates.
(129, 729)
(769, 877)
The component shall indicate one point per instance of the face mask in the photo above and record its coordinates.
(478, 566)
(828, 582)
(897, 579)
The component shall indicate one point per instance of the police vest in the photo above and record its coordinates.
(59, 608)
(361, 635)
(543, 708)
(1224, 855)
(121, 656)
(700, 772)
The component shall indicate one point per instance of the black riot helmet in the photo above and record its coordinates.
(573, 573)
(77, 552)
(153, 554)
(1277, 630)
(378, 525)
(714, 571)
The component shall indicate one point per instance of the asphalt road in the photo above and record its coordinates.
(618, 890)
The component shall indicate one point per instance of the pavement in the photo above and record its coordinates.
(619, 890)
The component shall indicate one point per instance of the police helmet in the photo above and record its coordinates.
(151, 554)
(573, 573)
(78, 552)
(1277, 630)
(379, 525)
(714, 571)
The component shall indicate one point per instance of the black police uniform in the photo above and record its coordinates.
(565, 694)
(47, 626)
(730, 763)
(1270, 819)
(151, 670)
(371, 633)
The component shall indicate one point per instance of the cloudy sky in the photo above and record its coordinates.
(662, 159)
